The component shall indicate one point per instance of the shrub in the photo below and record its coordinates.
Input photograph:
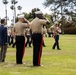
(70, 30)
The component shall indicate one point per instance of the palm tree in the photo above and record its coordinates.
(56, 5)
(60, 4)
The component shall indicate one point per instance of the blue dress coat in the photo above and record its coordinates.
(3, 35)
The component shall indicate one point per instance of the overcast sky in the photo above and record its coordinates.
(27, 6)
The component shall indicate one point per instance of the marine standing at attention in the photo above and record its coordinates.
(36, 28)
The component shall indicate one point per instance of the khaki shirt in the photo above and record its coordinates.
(44, 30)
(36, 25)
(56, 30)
(28, 31)
(19, 28)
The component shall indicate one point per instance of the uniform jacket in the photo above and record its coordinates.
(3, 35)
(37, 24)
(19, 28)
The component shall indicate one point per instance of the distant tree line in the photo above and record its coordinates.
(64, 8)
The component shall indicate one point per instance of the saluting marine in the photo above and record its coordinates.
(20, 39)
(36, 28)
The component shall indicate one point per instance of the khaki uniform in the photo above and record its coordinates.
(28, 37)
(20, 41)
(56, 32)
(36, 28)
(19, 28)
(37, 24)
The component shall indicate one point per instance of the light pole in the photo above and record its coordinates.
(12, 8)
(19, 8)
(5, 2)
(13, 2)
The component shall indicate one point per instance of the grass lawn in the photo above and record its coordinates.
(55, 62)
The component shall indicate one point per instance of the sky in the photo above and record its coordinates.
(27, 6)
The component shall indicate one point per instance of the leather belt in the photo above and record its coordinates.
(36, 33)
(19, 35)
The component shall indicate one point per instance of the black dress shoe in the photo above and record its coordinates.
(30, 46)
(3, 60)
(37, 65)
(53, 48)
(40, 65)
(59, 49)
(19, 63)
(44, 45)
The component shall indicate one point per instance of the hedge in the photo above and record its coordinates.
(71, 30)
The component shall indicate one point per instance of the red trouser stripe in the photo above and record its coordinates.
(23, 49)
(40, 52)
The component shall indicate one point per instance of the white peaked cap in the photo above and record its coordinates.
(21, 16)
(38, 12)
(56, 23)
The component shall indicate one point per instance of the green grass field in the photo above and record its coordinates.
(55, 62)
